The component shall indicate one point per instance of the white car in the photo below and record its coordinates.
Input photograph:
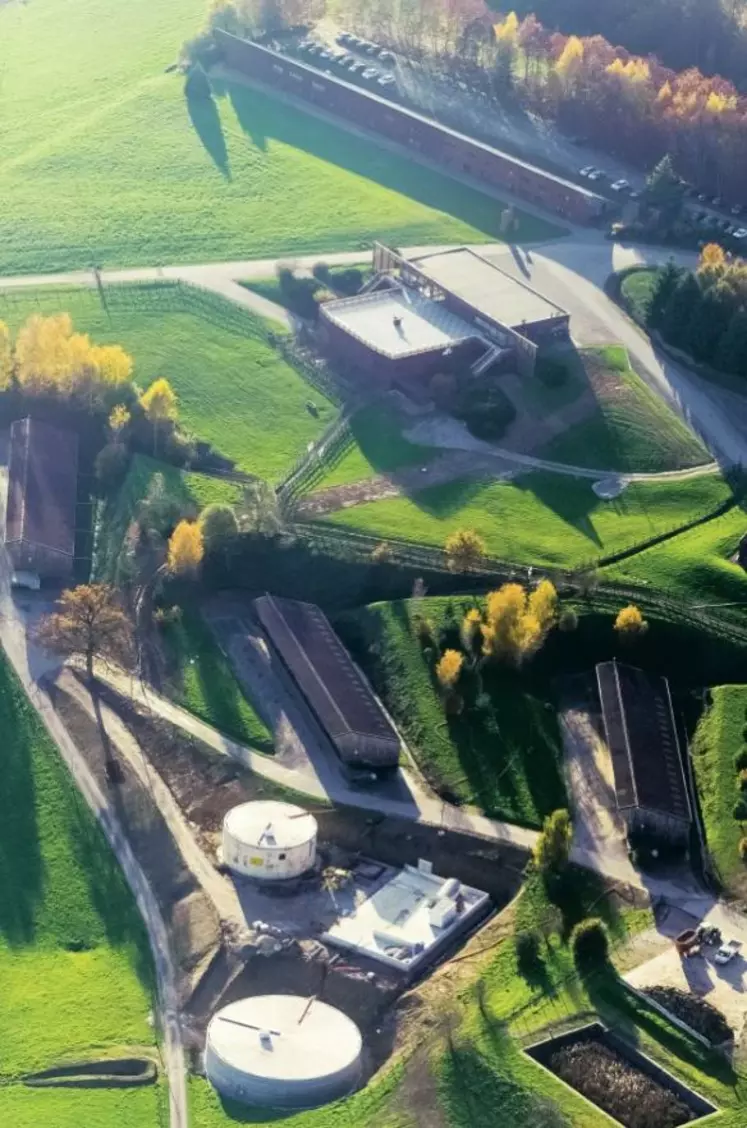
(620, 186)
(727, 952)
(740, 233)
(587, 170)
(387, 80)
(370, 72)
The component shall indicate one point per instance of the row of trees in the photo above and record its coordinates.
(704, 311)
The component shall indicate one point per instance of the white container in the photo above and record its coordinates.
(268, 840)
(282, 1051)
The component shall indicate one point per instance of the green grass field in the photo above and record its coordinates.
(540, 518)
(719, 737)
(75, 971)
(104, 161)
(205, 683)
(378, 447)
(234, 389)
(636, 291)
(695, 565)
(632, 431)
(503, 757)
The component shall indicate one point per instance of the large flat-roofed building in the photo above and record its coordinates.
(42, 495)
(452, 311)
(330, 682)
(478, 289)
(641, 733)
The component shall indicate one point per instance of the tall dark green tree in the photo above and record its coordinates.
(709, 322)
(666, 284)
(680, 310)
(731, 355)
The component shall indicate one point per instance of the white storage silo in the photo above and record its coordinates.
(282, 1051)
(269, 840)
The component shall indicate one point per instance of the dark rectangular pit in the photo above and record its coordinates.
(617, 1052)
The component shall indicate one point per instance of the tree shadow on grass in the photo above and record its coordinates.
(203, 113)
(21, 863)
(261, 116)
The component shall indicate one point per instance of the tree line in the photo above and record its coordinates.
(704, 311)
(629, 105)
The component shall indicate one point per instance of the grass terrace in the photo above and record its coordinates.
(75, 970)
(502, 753)
(539, 518)
(235, 389)
(118, 169)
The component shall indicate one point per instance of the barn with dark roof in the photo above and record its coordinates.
(332, 685)
(42, 495)
(641, 732)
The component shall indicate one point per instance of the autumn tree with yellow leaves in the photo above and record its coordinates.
(517, 622)
(465, 550)
(160, 407)
(448, 668)
(630, 623)
(51, 358)
(88, 621)
(186, 549)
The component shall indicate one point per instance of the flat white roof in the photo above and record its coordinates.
(422, 325)
(394, 923)
(486, 287)
(284, 1037)
(269, 823)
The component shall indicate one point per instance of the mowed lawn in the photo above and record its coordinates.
(503, 756)
(695, 565)
(235, 390)
(102, 160)
(377, 447)
(632, 429)
(540, 518)
(721, 734)
(75, 972)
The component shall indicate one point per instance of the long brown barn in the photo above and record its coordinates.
(42, 495)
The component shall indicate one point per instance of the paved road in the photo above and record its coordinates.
(30, 665)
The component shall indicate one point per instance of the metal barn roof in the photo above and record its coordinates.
(327, 676)
(42, 486)
(642, 739)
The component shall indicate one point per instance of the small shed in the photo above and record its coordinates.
(42, 496)
(650, 785)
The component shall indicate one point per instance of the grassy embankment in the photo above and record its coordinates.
(632, 430)
(117, 168)
(502, 753)
(719, 737)
(75, 969)
(539, 518)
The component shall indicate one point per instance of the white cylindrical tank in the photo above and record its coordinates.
(282, 1051)
(269, 840)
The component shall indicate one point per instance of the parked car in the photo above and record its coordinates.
(740, 233)
(727, 952)
(595, 174)
(345, 39)
(371, 49)
(314, 49)
(620, 186)
(357, 66)
(387, 80)
(326, 55)
(345, 60)
(370, 73)
(737, 209)
(387, 56)
(590, 172)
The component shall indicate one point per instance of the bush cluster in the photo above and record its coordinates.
(590, 944)
(485, 408)
(696, 1012)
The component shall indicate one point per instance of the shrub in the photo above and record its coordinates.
(449, 668)
(590, 944)
(527, 951)
(348, 282)
(630, 623)
(742, 779)
(568, 620)
(320, 270)
(554, 843)
(552, 373)
(740, 810)
(740, 760)
(111, 465)
(743, 848)
(425, 630)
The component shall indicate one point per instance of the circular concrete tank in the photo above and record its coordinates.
(269, 840)
(282, 1051)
